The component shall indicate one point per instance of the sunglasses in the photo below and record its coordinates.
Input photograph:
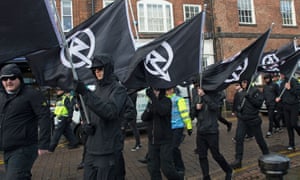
(98, 68)
(9, 78)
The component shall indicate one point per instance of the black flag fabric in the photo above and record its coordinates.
(241, 66)
(106, 32)
(287, 66)
(168, 60)
(271, 60)
(26, 27)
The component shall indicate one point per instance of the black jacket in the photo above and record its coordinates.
(270, 92)
(291, 96)
(21, 115)
(248, 105)
(104, 109)
(207, 116)
(158, 117)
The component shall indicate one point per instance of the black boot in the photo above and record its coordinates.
(236, 164)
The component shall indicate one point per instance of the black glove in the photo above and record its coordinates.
(150, 93)
(80, 87)
(247, 95)
(189, 131)
(89, 129)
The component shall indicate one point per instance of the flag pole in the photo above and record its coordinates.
(290, 78)
(74, 73)
(254, 76)
(201, 45)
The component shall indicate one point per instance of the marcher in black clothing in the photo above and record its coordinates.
(104, 158)
(25, 124)
(249, 135)
(158, 116)
(63, 112)
(206, 111)
(220, 103)
(290, 104)
(270, 92)
(248, 103)
(279, 109)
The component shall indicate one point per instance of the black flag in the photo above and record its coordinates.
(168, 60)
(108, 31)
(242, 66)
(26, 27)
(271, 60)
(287, 66)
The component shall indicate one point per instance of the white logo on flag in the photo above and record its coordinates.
(235, 76)
(270, 62)
(79, 49)
(158, 65)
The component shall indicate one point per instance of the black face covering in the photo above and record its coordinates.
(105, 62)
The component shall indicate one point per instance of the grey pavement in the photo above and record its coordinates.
(61, 165)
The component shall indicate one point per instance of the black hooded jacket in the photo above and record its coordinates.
(21, 115)
(248, 104)
(104, 107)
(270, 92)
(207, 116)
(291, 96)
(158, 117)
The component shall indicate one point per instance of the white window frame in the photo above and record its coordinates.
(63, 15)
(191, 7)
(144, 23)
(107, 2)
(288, 15)
(246, 12)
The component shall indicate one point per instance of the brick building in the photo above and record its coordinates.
(231, 25)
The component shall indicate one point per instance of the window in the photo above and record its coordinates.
(246, 12)
(107, 2)
(67, 16)
(154, 16)
(190, 11)
(287, 12)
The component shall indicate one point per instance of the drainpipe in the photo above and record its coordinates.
(93, 7)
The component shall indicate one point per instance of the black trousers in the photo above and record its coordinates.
(211, 142)
(273, 121)
(177, 140)
(255, 128)
(160, 157)
(104, 167)
(290, 113)
(63, 128)
(18, 162)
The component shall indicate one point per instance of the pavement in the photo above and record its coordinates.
(62, 164)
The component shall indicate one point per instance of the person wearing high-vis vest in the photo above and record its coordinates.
(63, 117)
(180, 119)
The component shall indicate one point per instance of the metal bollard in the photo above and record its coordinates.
(274, 166)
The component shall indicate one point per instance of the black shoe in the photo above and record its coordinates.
(229, 126)
(196, 151)
(80, 166)
(144, 161)
(229, 175)
(248, 138)
(51, 148)
(73, 146)
(136, 147)
(236, 164)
